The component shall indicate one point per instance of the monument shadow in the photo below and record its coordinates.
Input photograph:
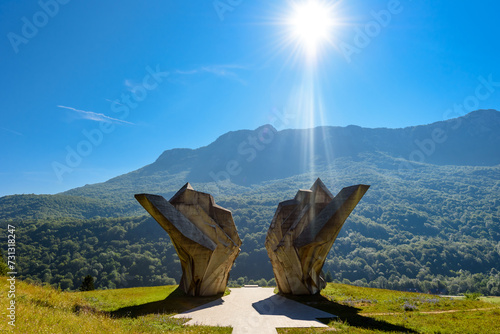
(347, 314)
(177, 302)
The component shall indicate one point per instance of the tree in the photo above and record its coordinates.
(87, 284)
(328, 277)
(4, 269)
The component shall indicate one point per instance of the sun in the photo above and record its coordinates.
(311, 23)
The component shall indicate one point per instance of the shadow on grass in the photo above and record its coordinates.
(176, 302)
(348, 314)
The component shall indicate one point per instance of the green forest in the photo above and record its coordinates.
(430, 229)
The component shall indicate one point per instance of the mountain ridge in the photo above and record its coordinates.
(243, 160)
(471, 140)
(422, 224)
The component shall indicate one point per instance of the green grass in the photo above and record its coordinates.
(366, 310)
(43, 309)
(134, 302)
(494, 300)
(111, 300)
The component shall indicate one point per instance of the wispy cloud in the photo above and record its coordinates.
(115, 101)
(131, 85)
(11, 131)
(228, 71)
(93, 116)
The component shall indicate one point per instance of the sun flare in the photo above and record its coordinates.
(311, 23)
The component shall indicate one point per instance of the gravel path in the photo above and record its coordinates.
(255, 310)
(430, 312)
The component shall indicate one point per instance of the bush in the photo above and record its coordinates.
(4, 269)
(472, 296)
(87, 284)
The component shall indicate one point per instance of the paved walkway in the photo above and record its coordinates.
(255, 310)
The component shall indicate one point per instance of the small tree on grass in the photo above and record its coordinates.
(4, 269)
(87, 284)
(328, 277)
(472, 295)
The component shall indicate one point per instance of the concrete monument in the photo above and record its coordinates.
(302, 233)
(203, 234)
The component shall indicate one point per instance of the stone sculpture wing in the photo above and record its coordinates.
(326, 226)
(172, 221)
(204, 236)
(302, 233)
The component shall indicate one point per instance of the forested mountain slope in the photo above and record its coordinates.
(247, 158)
(431, 219)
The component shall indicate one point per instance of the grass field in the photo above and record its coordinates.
(365, 310)
(137, 310)
(148, 310)
(495, 300)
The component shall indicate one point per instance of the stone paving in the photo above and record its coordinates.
(253, 310)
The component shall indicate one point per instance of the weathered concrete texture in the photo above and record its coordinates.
(203, 234)
(302, 233)
(255, 311)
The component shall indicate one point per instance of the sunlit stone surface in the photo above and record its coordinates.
(302, 233)
(203, 234)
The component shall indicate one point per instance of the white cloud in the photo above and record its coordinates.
(11, 131)
(228, 71)
(115, 101)
(90, 115)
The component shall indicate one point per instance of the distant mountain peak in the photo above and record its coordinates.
(249, 157)
(485, 111)
(266, 127)
(485, 114)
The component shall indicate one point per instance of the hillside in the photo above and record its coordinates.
(265, 154)
(55, 206)
(46, 310)
(431, 226)
(149, 310)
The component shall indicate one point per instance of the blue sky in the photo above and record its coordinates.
(135, 78)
